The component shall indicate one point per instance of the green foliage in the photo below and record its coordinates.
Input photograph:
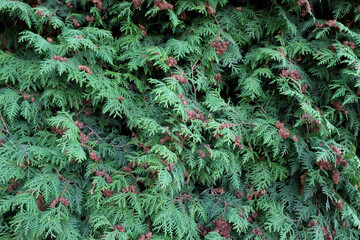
(179, 120)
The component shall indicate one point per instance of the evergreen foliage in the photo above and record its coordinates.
(185, 119)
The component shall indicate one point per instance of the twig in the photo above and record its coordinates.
(60, 3)
(16, 21)
(92, 189)
(204, 191)
(10, 87)
(68, 182)
(78, 113)
(6, 129)
(216, 204)
(261, 107)
(213, 190)
(184, 34)
(312, 8)
(192, 67)
(135, 178)
(217, 23)
(307, 131)
(182, 72)
(224, 209)
(150, 225)
(122, 146)
(348, 25)
(61, 177)
(95, 133)
(194, 91)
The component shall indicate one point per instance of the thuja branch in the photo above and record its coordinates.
(102, 140)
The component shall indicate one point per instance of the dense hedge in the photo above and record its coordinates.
(183, 119)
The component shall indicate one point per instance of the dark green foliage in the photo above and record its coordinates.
(179, 120)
